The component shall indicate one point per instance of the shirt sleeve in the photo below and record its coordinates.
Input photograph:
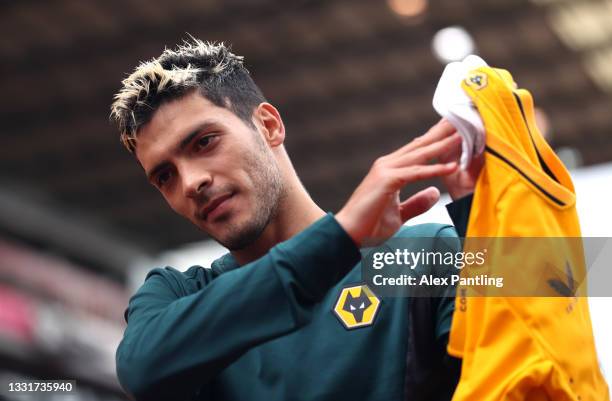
(174, 344)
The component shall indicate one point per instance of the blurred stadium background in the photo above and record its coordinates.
(79, 225)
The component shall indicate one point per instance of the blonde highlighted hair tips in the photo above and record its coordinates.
(210, 67)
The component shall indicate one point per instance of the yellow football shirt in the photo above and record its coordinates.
(523, 347)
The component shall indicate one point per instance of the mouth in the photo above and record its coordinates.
(215, 206)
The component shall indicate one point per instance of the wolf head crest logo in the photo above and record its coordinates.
(476, 80)
(356, 306)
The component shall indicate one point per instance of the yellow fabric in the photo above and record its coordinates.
(523, 348)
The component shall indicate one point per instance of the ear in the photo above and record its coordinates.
(269, 120)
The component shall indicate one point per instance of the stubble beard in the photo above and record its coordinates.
(269, 192)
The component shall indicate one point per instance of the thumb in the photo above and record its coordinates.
(419, 203)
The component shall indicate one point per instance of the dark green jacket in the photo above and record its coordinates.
(267, 330)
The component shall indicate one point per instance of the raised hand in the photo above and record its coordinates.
(374, 211)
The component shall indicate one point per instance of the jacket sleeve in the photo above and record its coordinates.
(432, 374)
(174, 344)
(459, 212)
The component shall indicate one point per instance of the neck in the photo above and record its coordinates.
(295, 212)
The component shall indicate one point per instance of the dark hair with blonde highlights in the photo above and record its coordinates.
(209, 67)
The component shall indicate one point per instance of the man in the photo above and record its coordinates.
(260, 323)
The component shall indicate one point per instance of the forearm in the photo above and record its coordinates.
(180, 343)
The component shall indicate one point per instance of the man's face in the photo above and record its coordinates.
(212, 168)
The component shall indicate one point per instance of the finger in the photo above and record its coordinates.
(419, 203)
(452, 153)
(436, 133)
(424, 154)
(441, 130)
(410, 174)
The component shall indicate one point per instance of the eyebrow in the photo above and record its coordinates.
(207, 124)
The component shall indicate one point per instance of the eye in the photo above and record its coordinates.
(162, 178)
(205, 141)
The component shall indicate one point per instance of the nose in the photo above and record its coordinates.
(194, 181)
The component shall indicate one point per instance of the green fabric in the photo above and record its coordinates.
(267, 331)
